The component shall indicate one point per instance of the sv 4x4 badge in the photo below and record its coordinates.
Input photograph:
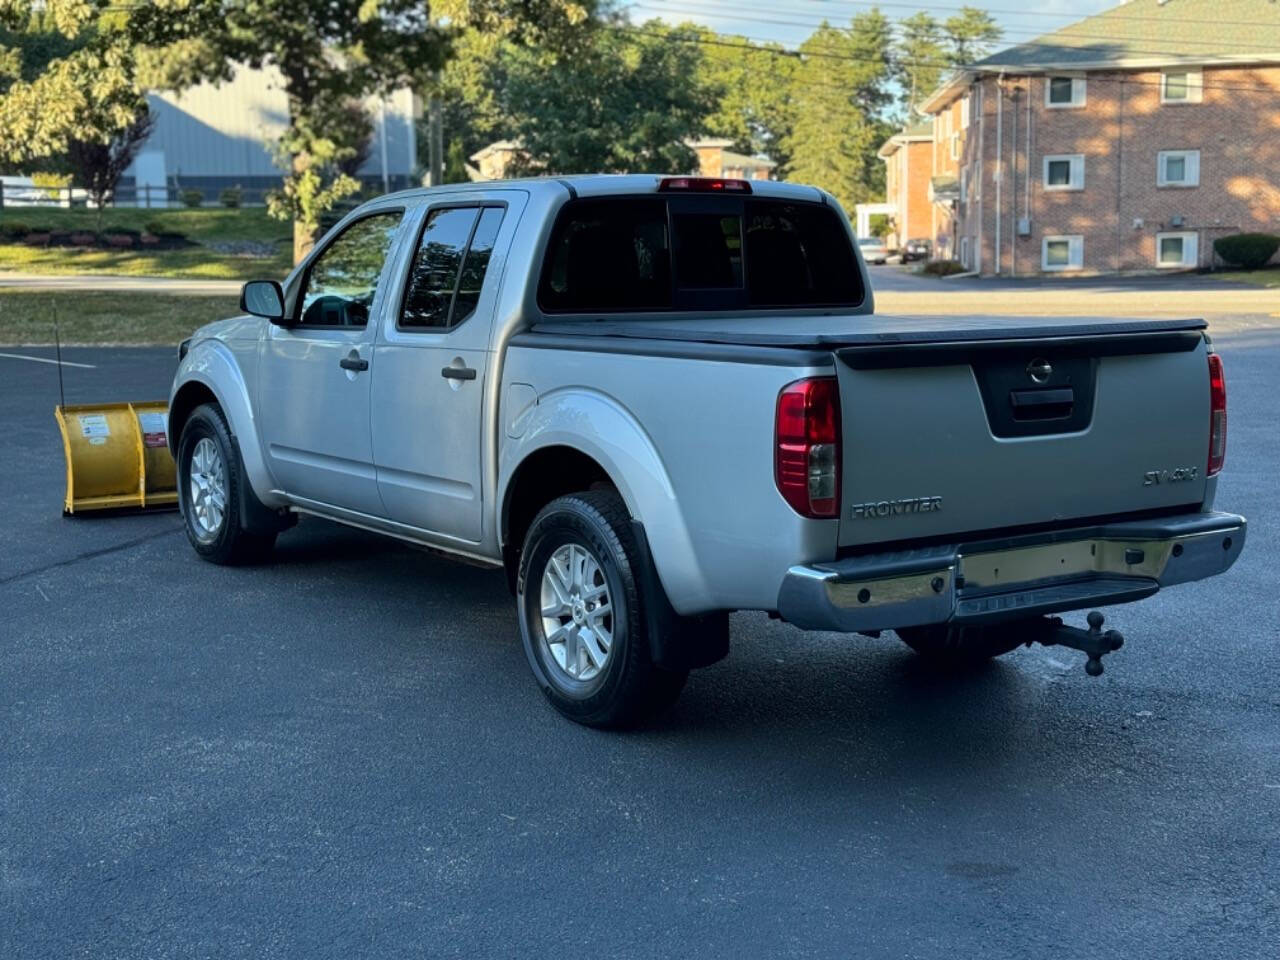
(1154, 478)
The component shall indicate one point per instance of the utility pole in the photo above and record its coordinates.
(435, 139)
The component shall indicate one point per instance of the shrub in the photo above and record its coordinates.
(154, 227)
(15, 228)
(942, 268)
(1248, 250)
(54, 185)
(193, 198)
(230, 198)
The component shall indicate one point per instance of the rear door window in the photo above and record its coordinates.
(449, 267)
(697, 253)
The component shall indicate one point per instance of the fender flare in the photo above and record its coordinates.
(598, 426)
(212, 364)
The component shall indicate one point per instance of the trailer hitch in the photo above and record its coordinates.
(1094, 642)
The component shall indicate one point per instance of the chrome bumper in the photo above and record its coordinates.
(1018, 577)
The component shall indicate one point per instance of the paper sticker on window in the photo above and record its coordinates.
(154, 429)
(94, 425)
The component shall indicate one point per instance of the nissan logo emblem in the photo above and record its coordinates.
(1039, 370)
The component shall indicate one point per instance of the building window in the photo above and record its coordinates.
(1062, 92)
(1181, 86)
(1178, 168)
(1064, 172)
(964, 185)
(965, 110)
(955, 146)
(1062, 253)
(1176, 250)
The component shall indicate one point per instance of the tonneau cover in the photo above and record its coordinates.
(860, 330)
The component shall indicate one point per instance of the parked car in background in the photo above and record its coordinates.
(653, 401)
(874, 250)
(921, 248)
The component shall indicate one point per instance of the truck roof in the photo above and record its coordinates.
(612, 184)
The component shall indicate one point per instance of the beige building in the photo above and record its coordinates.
(1075, 153)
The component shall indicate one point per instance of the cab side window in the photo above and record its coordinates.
(449, 267)
(342, 281)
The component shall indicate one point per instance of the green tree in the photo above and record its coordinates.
(921, 54)
(625, 102)
(329, 53)
(751, 86)
(970, 35)
(841, 92)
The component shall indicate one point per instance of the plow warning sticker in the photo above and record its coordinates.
(94, 426)
(153, 429)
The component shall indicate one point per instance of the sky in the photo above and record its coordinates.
(790, 21)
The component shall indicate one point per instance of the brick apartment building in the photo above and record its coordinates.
(1128, 141)
(908, 158)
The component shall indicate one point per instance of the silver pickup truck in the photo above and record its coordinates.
(653, 401)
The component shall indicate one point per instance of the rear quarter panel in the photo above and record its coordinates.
(688, 441)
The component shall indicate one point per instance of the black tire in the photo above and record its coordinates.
(959, 647)
(628, 688)
(229, 543)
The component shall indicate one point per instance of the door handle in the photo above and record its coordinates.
(458, 373)
(353, 363)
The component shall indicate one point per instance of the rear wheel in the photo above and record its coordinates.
(210, 481)
(951, 646)
(582, 614)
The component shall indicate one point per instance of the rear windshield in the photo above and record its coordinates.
(697, 252)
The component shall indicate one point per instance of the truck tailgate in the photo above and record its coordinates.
(957, 427)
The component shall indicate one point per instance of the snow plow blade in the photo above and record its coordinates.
(117, 456)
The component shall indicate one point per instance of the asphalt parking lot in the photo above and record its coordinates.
(342, 754)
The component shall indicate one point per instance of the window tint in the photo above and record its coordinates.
(429, 291)
(444, 284)
(342, 281)
(708, 250)
(798, 254)
(476, 263)
(729, 253)
(1059, 173)
(609, 255)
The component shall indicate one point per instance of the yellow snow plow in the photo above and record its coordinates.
(117, 456)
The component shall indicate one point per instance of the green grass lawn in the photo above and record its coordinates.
(26, 316)
(1266, 277)
(205, 227)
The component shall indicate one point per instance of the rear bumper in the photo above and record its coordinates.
(1019, 577)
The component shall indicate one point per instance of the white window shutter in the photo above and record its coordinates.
(1076, 251)
(1077, 172)
(1195, 86)
(1191, 250)
(1193, 168)
(1077, 92)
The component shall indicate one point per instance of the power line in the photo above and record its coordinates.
(775, 50)
(707, 9)
(917, 8)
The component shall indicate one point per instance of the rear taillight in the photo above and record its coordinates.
(806, 458)
(1217, 415)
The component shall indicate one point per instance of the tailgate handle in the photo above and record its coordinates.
(1050, 404)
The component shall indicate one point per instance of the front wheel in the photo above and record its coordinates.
(209, 491)
(582, 614)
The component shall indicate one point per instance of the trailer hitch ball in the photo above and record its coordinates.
(1094, 642)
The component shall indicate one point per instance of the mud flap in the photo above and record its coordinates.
(677, 643)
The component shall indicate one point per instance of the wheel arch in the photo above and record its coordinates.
(209, 373)
(580, 430)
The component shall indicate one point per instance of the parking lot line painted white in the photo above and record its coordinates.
(65, 363)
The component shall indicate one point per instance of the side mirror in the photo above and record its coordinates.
(263, 298)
